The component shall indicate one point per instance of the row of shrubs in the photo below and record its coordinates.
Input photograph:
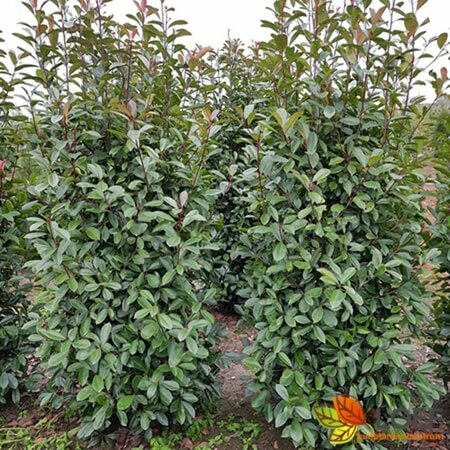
(153, 182)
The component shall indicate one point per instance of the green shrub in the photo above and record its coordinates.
(333, 285)
(14, 304)
(440, 240)
(225, 84)
(120, 225)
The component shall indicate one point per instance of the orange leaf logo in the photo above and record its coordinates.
(349, 410)
(344, 419)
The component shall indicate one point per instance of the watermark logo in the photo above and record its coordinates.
(344, 419)
(347, 417)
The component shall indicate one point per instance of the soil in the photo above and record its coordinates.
(234, 380)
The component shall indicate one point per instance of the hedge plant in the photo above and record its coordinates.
(440, 240)
(14, 285)
(120, 229)
(336, 254)
(224, 81)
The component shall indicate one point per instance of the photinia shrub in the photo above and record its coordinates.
(14, 304)
(14, 285)
(224, 82)
(120, 228)
(440, 241)
(333, 284)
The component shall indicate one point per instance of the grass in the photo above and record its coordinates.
(244, 431)
(41, 436)
(204, 434)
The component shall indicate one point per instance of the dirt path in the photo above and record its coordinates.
(233, 382)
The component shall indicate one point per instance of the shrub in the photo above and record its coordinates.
(225, 83)
(14, 304)
(120, 227)
(333, 284)
(440, 240)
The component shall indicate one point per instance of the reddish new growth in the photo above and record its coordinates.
(2, 165)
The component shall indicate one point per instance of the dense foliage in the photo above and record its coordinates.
(120, 225)
(14, 304)
(227, 86)
(334, 283)
(440, 240)
(284, 180)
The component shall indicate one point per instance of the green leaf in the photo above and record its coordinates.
(329, 112)
(100, 418)
(367, 365)
(193, 216)
(57, 359)
(442, 40)
(348, 274)
(98, 384)
(279, 252)
(336, 298)
(304, 413)
(165, 321)
(312, 143)
(165, 395)
(282, 392)
(248, 110)
(317, 315)
(327, 276)
(321, 175)
(52, 335)
(280, 41)
(4, 380)
(53, 179)
(175, 354)
(125, 402)
(72, 284)
(105, 333)
(96, 170)
(319, 334)
(285, 359)
(352, 121)
(192, 345)
(168, 277)
(282, 417)
(411, 23)
(93, 233)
